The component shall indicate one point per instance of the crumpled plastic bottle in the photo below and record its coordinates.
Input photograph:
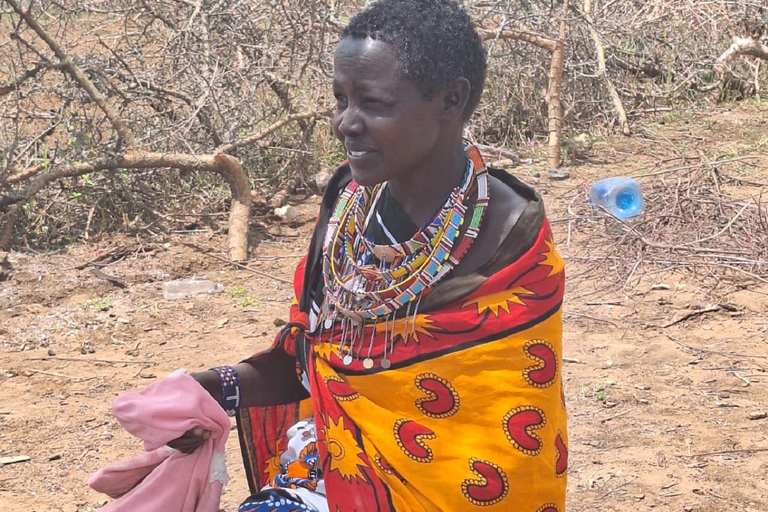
(186, 288)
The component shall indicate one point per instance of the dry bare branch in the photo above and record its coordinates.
(15, 84)
(621, 113)
(251, 139)
(189, 77)
(77, 74)
(741, 46)
(225, 165)
(539, 40)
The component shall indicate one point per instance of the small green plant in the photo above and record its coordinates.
(598, 392)
(248, 301)
(708, 77)
(669, 117)
(98, 303)
(756, 101)
(735, 150)
(236, 291)
(45, 156)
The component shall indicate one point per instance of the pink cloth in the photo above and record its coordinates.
(162, 479)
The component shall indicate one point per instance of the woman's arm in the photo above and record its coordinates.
(266, 379)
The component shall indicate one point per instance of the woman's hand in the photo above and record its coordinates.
(191, 440)
(194, 438)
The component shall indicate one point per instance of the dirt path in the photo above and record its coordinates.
(660, 404)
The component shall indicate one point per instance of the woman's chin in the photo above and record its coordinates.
(366, 179)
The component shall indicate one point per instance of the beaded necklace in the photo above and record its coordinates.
(367, 282)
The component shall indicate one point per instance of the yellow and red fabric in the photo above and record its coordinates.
(470, 414)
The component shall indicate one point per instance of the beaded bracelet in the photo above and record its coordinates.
(230, 388)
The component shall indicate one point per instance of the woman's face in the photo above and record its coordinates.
(389, 131)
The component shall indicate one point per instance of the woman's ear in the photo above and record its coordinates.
(455, 97)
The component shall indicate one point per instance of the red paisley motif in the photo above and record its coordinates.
(341, 390)
(519, 425)
(549, 507)
(387, 468)
(411, 437)
(489, 488)
(442, 400)
(383, 465)
(544, 372)
(561, 459)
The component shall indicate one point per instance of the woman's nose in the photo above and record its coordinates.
(349, 122)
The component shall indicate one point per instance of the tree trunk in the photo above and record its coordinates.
(555, 108)
(229, 167)
(6, 229)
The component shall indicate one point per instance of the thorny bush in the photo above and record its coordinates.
(189, 76)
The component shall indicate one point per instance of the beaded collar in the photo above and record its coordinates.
(367, 282)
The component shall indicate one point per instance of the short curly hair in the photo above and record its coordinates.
(435, 42)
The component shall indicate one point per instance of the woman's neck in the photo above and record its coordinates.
(424, 192)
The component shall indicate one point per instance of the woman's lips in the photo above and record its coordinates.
(356, 154)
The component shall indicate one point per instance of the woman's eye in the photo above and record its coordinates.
(341, 100)
(373, 102)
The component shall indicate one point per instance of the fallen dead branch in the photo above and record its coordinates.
(256, 137)
(692, 314)
(729, 452)
(282, 195)
(542, 41)
(717, 352)
(497, 152)
(114, 253)
(106, 277)
(4, 461)
(741, 46)
(84, 360)
(727, 78)
(52, 374)
(225, 165)
(581, 315)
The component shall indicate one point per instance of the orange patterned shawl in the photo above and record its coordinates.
(470, 414)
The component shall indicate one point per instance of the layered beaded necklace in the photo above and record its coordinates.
(368, 283)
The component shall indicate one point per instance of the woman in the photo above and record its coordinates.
(427, 327)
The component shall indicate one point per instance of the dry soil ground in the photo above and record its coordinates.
(659, 416)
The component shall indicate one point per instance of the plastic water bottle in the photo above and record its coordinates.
(620, 196)
(186, 288)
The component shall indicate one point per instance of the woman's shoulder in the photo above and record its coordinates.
(510, 200)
